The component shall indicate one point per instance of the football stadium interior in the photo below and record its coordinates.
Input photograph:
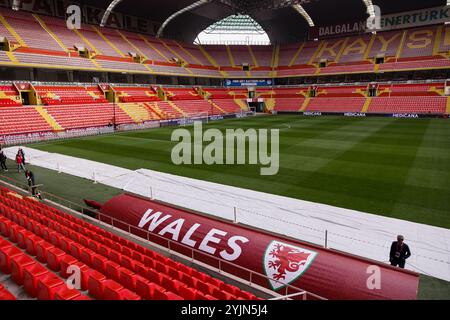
(347, 103)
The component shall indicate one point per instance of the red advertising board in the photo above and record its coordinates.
(324, 272)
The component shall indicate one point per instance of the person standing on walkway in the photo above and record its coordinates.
(399, 252)
(3, 159)
(19, 161)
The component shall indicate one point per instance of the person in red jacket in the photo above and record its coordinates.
(19, 161)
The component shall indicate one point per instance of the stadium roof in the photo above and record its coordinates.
(278, 17)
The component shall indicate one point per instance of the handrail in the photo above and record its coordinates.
(170, 244)
(131, 85)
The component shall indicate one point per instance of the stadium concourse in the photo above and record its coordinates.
(72, 76)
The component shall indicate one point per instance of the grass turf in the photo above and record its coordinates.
(392, 167)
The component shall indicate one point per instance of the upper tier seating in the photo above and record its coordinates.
(9, 96)
(38, 243)
(403, 50)
(69, 38)
(344, 91)
(29, 29)
(219, 54)
(241, 55)
(51, 95)
(196, 54)
(262, 55)
(136, 94)
(182, 94)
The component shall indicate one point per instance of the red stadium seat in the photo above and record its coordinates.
(18, 264)
(96, 284)
(149, 290)
(188, 293)
(173, 296)
(112, 270)
(127, 278)
(41, 251)
(6, 253)
(54, 257)
(99, 263)
(48, 286)
(31, 276)
(64, 293)
(111, 290)
(31, 242)
(6, 295)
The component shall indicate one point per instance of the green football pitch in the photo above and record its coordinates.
(392, 167)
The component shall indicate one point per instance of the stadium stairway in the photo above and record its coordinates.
(241, 104)
(49, 119)
(253, 56)
(39, 243)
(166, 109)
(138, 112)
(221, 111)
(154, 108)
(44, 26)
(209, 57)
(270, 103)
(176, 108)
(447, 111)
(305, 104)
(366, 105)
(11, 30)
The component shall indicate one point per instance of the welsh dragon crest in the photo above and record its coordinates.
(284, 263)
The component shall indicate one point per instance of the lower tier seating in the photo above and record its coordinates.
(289, 104)
(423, 105)
(228, 105)
(336, 104)
(86, 116)
(39, 243)
(15, 120)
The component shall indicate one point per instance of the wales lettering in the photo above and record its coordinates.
(212, 241)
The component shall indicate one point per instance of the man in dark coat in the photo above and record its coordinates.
(399, 253)
(3, 161)
(30, 179)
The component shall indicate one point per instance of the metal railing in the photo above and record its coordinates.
(220, 266)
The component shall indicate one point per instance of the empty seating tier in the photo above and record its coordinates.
(421, 105)
(51, 95)
(40, 245)
(45, 41)
(17, 120)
